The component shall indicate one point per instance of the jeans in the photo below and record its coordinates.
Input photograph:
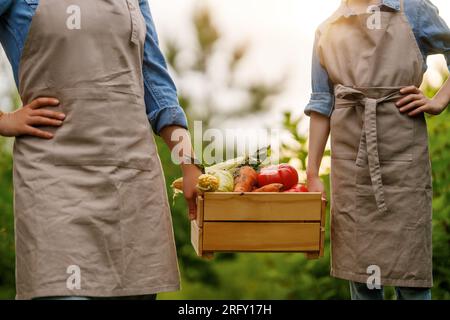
(141, 297)
(360, 291)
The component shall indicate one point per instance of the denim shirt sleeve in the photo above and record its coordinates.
(161, 100)
(4, 5)
(433, 31)
(322, 97)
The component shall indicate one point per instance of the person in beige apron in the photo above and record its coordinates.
(91, 212)
(381, 188)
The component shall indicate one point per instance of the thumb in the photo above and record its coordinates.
(192, 208)
(324, 196)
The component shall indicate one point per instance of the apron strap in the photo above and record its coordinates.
(402, 5)
(134, 21)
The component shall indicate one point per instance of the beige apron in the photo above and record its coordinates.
(91, 210)
(381, 177)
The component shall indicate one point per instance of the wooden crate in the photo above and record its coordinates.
(259, 222)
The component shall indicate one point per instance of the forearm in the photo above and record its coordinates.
(442, 98)
(179, 142)
(319, 131)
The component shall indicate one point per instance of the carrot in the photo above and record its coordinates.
(246, 179)
(273, 187)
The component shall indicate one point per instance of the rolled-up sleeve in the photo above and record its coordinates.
(4, 5)
(322, 97)
(434, 31)
(161, 100)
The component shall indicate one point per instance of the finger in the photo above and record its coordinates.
(29, 130)
(324, 197)
(418, 111)
(408, 99)
(42, 102)
(409, 90)
(48, 114)
(413, 105)
(43, 121)
(192, 208)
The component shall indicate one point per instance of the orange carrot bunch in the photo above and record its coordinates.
(246, 179)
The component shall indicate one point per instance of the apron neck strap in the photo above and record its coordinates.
(402, 5)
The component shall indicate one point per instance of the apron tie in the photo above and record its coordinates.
(369, 140)
(134, 22)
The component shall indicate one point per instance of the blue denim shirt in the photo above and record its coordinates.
(161, 99)
(432, 35)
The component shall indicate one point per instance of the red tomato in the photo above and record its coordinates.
(283, 173)
(298, 188)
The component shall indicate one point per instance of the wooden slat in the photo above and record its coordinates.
(200, 210)
(262, 207)
(261, 237)
(322, 227)
(197, 238)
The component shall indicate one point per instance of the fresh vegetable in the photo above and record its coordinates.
(177, 188)
(260, 158)
(226, 181)
(283, 173)
(255, 160)
(298, 188)
(228, 165)
(225, 172)
(207, 183)
(177, 184)
(273, 187)
(245, 180)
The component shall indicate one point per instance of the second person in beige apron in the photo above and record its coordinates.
(381, 190)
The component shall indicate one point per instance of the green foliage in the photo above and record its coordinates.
(6, 224)
(439, 129)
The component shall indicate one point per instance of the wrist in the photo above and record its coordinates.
(312, 174)
(441, 102)
(189, 168)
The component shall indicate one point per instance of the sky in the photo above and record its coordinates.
(280, 34)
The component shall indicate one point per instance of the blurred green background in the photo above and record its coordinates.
(249, 276)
